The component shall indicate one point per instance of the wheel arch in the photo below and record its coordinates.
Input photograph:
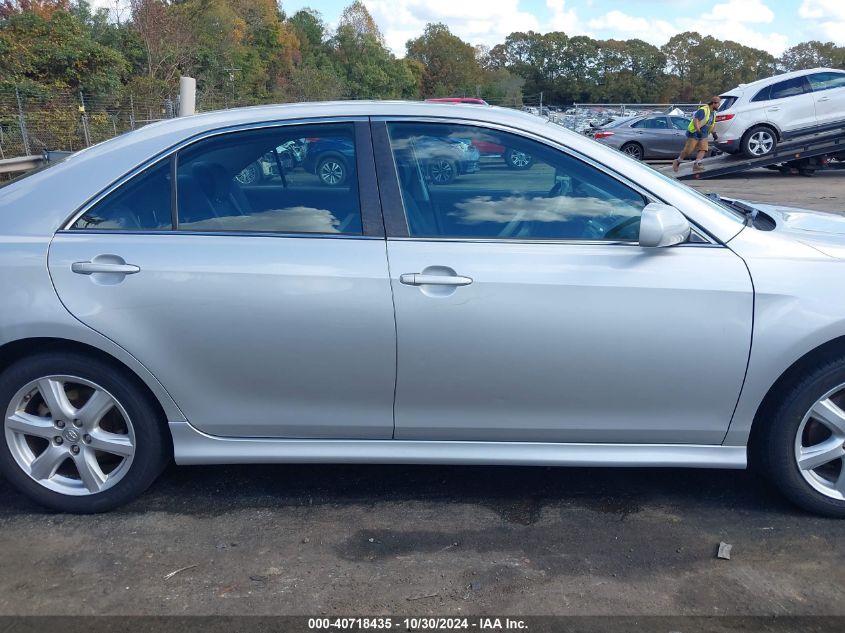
(629, 143)
(774, 128)
(820, 355)
(330, 154)
(13, 351)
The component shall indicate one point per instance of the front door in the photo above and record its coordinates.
(266, 310)
(526, 311)
(829, 94)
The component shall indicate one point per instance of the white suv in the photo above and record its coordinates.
(754, 117)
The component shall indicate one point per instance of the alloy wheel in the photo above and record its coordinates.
(820, 445)
(633, 151)
(519, 159)
(441, 171)
(248, 175)
(331, 172)
(761, 143)
(70, 435)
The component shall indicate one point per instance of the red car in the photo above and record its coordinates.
(513, 158)
(473, 100)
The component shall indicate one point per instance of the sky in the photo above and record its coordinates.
(771, 25)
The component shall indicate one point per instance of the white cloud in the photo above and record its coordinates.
(623, 26)
(563, 19)
(729, 20)
(476, 21)
(827, 19)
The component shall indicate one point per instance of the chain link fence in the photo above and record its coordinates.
(34, 123)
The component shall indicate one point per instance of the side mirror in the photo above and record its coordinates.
(663, 225)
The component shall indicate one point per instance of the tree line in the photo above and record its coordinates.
(251, 51)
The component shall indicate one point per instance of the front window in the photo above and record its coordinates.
(679, 123)
(449, 192)
(827, 81)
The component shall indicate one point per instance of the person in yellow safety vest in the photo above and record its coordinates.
(703, 124)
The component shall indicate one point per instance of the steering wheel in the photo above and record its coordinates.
(615, 231)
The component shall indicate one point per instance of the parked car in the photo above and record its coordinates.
(755, 117)
(587, 312)
(465, 100)
(332, 160)
(645, 137)
(515, 159)
(290, 155)
(443, 159)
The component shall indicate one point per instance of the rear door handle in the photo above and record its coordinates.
(89, 268)
(775, 109)
(419, 279)
(824, 99)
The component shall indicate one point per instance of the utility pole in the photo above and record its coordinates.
(541, 103)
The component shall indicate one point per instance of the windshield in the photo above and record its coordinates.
(722, 208)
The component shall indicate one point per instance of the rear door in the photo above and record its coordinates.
(526, 310)
(791, 105)
(829, 96)
(261, 301)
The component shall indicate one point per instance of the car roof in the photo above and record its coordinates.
(762, 83)
(198, 123)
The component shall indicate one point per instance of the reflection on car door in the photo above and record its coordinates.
(521, 317)
(267, 312)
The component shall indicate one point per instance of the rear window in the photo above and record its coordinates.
(763, 95)
(727, 102)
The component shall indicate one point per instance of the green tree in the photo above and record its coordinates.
(56, 51)
(449, 64)
(368, 68)
(813, 54)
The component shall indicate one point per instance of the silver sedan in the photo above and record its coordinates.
(645, 137)
(587, 311)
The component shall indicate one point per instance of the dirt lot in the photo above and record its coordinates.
(824, 191)
(412, 540)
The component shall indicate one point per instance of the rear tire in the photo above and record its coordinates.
(332, 171)
(94, 459)
(760, 140)
(808, 426)
(634, 150)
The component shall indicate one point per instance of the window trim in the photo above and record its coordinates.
(395, 217)
(368, 199)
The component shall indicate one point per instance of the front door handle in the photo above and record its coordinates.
(775, 109)
(89, 268)
(420, 279)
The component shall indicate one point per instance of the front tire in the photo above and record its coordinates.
(79, 434)
(803, 448)
(760, 140)
(442, 171)
(516, 159)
